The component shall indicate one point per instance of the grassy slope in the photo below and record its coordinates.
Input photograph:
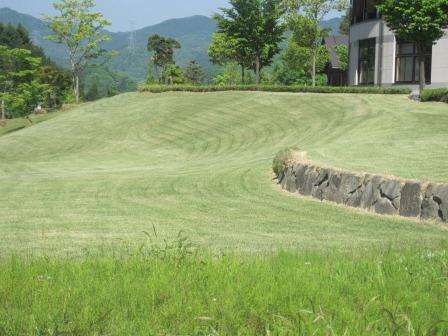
(202, 163)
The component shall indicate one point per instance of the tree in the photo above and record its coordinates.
(297, 63)
(256, 28)
(93, 92)
(173, 74)
(342, 53)
(229, 76)
(20, 86)
(163, 49)
(344, 26)
(194, 73)
(82, 32)
(58, 79)
(417, 21)
(313, 13)
(225, 49)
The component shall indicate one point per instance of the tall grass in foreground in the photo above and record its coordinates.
(186, 292)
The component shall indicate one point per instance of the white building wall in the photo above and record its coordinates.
(385, 54)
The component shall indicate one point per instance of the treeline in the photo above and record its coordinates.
(27, 76)
(250, 46)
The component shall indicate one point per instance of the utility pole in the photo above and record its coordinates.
(131, 39)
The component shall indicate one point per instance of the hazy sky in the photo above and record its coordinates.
(127, 14)
(122, 12)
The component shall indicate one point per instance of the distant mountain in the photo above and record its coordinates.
(333, 24)
(194, 33)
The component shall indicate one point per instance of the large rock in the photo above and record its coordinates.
(371, 192)
(430, 209)
(411, 200)
(439, 194)
(321, 183)
(391, 190)
(300, 171)
(385, 207)
(350, 184)
(290, 181)
(332, 193)
(311, 175)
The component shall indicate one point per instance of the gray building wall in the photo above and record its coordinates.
(385, 54)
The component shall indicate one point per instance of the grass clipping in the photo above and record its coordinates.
(285, 158)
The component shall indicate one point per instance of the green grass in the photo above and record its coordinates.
(360, 293)
(81, 193)
(18, 124)
(108, 171)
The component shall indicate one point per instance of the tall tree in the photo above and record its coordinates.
(422, 22)
(163, 54)
(194, 73)
(344, 26)
(256, 27)
(225, 49)
(314, 12)
(82, 32)
(20, 85)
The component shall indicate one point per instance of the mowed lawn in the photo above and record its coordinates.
(106, 172)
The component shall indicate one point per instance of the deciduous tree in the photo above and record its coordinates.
(313, 13)
(256, 27)
(20, 85)
(163, 53)
(194, 73)
(82, 32)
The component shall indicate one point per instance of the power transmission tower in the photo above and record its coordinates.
(131, 38)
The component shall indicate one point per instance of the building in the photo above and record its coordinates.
(337, 76)
(378, 58)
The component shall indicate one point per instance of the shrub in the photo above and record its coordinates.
(275, 88)
(440, 95)
(283, 159)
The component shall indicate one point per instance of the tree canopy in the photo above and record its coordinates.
(256, 30)
(163, 54)
(82, 31)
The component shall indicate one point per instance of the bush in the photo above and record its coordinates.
(275, 88)
(439, 95)
(283, 159)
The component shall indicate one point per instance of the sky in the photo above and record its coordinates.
(130, 14)
(127, 14)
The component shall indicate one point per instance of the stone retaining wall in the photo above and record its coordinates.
(380, 194)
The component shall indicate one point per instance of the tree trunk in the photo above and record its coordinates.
(243, 75)
(313, 75)
(257, 70)
(3, 109)
(421, 60)
(76, 86)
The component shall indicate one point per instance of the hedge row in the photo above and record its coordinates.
(439, 95)
(272, 88)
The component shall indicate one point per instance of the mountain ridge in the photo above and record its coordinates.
(194, 34)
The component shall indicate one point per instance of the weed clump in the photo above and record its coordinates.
(284, 158)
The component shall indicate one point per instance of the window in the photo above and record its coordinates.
(366, 65)
(363, 10)
(407, 66)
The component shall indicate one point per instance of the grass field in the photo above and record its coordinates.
(376, 294)
(106, 172)
(92, 200)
